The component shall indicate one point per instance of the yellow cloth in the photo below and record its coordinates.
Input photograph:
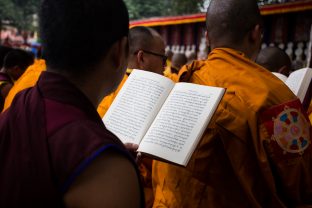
(174, 77)
(108, 100)
(167, 73)
(224, 169)
(168, 63)
(28, 79)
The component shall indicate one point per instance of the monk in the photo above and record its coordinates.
(167, 70)
(275, 60)
(15, 64)
(178, 60)
(278, 62)
(169, 54)
(147, 52)
(238, 163)
(54, 148)
(27, 80)
(191, 57)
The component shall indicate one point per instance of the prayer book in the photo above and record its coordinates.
(300, 83)
(166, 119)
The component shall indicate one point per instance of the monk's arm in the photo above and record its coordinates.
(110, 181)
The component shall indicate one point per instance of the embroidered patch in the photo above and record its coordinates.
(291, 131)
(287, 131)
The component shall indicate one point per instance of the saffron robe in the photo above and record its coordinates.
(230, 167)
(28, 79)
(108, 100)
(48, 137)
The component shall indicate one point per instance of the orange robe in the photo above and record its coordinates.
(230, 167)
(28, 79)
(108, 100)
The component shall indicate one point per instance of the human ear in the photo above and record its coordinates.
(140, 59)
(256, 34)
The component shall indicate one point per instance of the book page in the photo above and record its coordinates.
(181, 122)
(136, 105)
(280, 76)
(298, 82)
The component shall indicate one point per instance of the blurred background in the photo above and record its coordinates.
(180, 22)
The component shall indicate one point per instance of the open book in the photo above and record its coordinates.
(300, 82)
(167, 120)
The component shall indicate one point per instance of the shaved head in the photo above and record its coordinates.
(147, 50)
(275, 60)
(178, 60)
(229, 21)
(169, 54)
(142, 38)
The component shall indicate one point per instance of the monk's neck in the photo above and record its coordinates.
(84, 84)
(243, 48)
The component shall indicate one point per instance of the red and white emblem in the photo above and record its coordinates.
(291, 131)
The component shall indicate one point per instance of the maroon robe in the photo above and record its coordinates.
(4, 79)
(48, 137)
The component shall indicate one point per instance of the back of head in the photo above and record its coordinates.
(141, 38)
(178, 60)
(19, 58)
(169, 54)
(275, 60)
(77, 34)
(229, 21)
(3, 52)
(191, 57)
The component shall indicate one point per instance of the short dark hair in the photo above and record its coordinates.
(76, 34)
(3, 52)
(140, 38)
(18, 57)
(231, 19)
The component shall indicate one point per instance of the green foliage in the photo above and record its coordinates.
(19, 12)
(139, 9)
(150, 8)
(6, 10)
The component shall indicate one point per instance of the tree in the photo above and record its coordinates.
(139, 9)
(25, 9)
(19, 13)
(150, 8)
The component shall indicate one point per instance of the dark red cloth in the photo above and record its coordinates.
(48, 136)
(4, 79)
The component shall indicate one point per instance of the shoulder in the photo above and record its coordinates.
(83, 136)
(186, 72)
(104, 182)
(75, 145)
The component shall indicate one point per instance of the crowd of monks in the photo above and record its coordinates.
(55, 150)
